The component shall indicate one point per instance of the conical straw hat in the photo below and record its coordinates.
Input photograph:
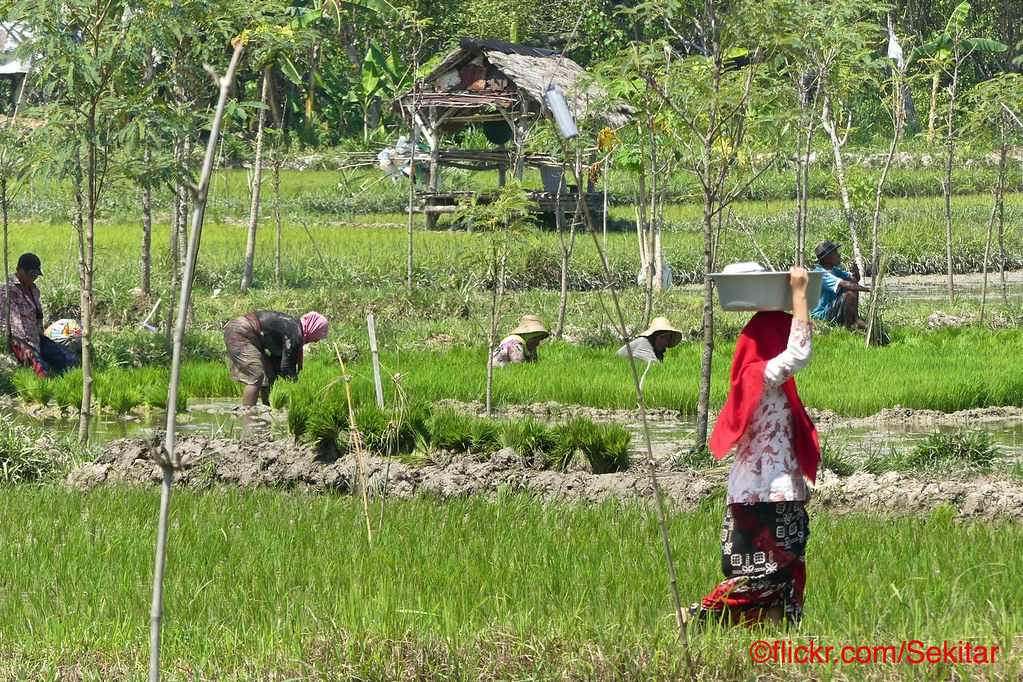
(530, 325)
(661, 325)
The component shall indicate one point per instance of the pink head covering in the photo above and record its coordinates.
(314, 327)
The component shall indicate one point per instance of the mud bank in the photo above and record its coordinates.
(252, 463)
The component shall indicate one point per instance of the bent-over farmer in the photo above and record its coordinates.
(266, 344)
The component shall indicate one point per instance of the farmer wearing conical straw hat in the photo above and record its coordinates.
(520, 344)
(651, 344)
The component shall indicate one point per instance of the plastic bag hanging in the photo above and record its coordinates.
(555, 101)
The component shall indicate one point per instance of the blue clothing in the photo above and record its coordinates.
(829, 291)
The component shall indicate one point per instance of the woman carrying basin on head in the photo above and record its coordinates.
(521, 343)
(266, 344)
(775, 444)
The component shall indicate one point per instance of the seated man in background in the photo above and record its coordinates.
(840, 290)
(25, 329)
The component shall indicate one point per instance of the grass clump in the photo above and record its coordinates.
(30, 455)
(955, 450)
(834, 461)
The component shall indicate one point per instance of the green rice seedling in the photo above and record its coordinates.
(156, 395)
(280, 394)
(298, 418)
(449, 430)
(31, 387)
(606, 446)
(833, 460)
(120, 398)
(484, 437)
(327, 424)
(377, 430)
(955, 450)
(67, 390)
(208, 380)
(537, 442)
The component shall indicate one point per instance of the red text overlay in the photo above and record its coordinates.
(913, 652)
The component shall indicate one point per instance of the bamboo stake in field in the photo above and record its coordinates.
(651, 463)
(376, 359)
(167, 457)
(355, 438)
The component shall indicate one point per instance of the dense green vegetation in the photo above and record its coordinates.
(463, 588)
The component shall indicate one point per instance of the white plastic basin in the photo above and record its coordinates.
(762, 290)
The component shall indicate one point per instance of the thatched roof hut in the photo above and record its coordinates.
(500, 86)
(483, 78)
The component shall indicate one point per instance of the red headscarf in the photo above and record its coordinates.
(764, 337)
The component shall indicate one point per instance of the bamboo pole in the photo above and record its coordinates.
(355, 438)
(376, 360)
(680, 620)
(167, 457)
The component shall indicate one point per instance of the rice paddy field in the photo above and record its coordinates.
(279, 584)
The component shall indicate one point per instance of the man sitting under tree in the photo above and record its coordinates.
(21, 322)
(840, 290)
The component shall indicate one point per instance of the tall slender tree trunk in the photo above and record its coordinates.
(277, 221)
(707, 323)
(949, 160)
(830, 125)
(257, 181)
(932, 116)
(182, 229)
(147, 227)
(85, 260)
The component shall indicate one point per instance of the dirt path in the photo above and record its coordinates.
(255, 462)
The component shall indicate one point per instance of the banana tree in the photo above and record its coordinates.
(946, 54)
(383, 77)
(954, 44)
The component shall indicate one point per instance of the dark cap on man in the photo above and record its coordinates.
(29, 262)
(824, 248)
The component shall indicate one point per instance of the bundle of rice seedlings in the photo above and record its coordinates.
(535, 441)
(450, 430)
(118, 396)
(606, 446)
(377, 430)
(31, 387)
(327, 424)
(67, 390)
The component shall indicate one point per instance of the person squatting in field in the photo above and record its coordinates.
(652, 343)
(267, 344)
(521, 343)
(23, 329)
(775, 444)
(840, 290)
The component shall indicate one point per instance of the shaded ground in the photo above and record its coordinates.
(254, 461)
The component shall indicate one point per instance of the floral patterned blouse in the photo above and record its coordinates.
(765, 467)
(26, 311)
(511, 351)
